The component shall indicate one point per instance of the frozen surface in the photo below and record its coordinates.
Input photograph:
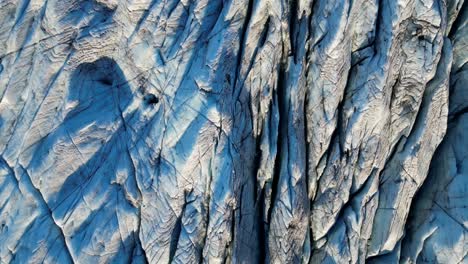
(238, 131)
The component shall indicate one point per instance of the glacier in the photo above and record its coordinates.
(233, 131)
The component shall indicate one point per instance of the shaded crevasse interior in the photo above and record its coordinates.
(147, 131)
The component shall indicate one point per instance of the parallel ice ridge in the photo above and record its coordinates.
(278, 131)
